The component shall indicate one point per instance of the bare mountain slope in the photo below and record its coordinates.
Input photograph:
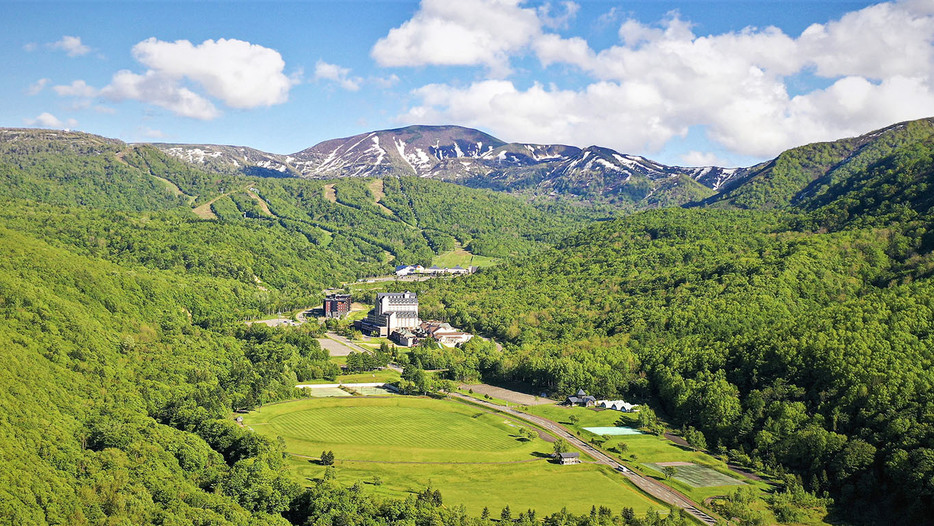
(474, 158)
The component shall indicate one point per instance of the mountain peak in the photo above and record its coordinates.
(595, 173)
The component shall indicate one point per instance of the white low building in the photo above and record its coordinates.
(618, 405)
(406, 270)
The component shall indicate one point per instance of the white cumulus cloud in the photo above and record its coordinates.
(877, 42)
(72, 46)
(696, 158)
(38, 86)
(183, 77)
(160, 90)
(555, 18)
(662, 79)
(466, 32)
(337, 74)
(605, 113)
(78, 88)
(47, 120)
(241, 74)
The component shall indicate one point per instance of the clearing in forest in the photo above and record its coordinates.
(376, 188)
(409, 429)
(399, 445)
(330, 193)
(173, 188)
(463, 257)
(204, 211)
(642, 451)
(260, 202)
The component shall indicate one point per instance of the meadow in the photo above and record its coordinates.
(462, 257)
(636, 451)
(400, 445)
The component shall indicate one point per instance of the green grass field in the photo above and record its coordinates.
(462, 257)
(697, 476)
(538, 485)
(328, 392)
(472, 456)
(385, 376)
(648, 449)
(393, 429)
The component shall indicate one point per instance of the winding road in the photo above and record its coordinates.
(650, 486)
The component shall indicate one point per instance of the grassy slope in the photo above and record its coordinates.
(646, 448)
(407, 429)
(462, 257)
(639, 450)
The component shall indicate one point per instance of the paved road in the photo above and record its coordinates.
(346, 343)
(333, 342)
(650, 486)
(513, 397)
(337, 345)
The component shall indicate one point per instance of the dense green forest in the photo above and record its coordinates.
(124, 348)
(800, 340)
(797, 338)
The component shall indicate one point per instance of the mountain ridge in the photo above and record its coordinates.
(469, 157)
(594, 174)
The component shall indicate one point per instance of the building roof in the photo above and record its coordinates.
(580, 392)
(569, 455)
(396, 295)
(339, 297)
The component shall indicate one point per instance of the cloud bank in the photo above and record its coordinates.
(186, 79)
(873, 67)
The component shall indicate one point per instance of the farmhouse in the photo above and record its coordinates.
(394, 311)
(581, 398)
(336, 305)
(568, 458)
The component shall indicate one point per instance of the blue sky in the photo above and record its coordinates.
(692, 82)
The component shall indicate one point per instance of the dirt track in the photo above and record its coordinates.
(650, 486)
(513, 397)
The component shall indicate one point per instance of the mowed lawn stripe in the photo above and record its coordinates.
(394, 426)
(393, 429)
(474, 457)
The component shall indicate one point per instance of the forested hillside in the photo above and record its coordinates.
(135, 203)
(124, 350)
(106, 376)
(804, 175)
(799, 340)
